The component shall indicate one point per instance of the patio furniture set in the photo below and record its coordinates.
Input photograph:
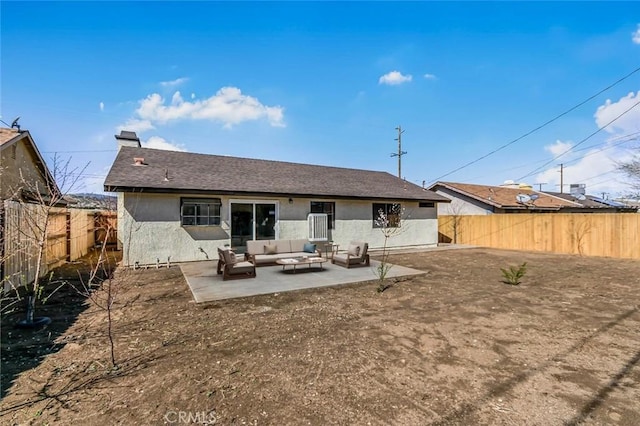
(287, 253)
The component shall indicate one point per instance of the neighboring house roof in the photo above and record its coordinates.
(172, 171)
(504, 197)
(629, 202)
(593, 202)
(9, 137)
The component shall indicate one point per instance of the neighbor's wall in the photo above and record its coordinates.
(149, 226)
(461, 205)
(11, 169)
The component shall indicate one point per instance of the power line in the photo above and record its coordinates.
(608, 145)
(581, 142)
(598, 175)
(604, 181)
(540, 126)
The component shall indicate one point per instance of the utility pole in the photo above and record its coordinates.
(561, 177)
(400, 151)
(540, 186)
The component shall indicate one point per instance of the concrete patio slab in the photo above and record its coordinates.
(206, 285)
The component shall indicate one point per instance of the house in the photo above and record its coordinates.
(24, 175)
(510, 197)
(629, 202)
(577, 193)
(24, 178)
(183, 206)
(472, 199)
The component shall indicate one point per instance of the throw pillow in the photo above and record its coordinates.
(229, 257)
(270, 249)
(309, 248)
(353, 250)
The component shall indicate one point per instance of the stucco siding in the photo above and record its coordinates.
(150, 229)
(461, 205)
(19, 173)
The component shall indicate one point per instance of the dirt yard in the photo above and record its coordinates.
(452, 346)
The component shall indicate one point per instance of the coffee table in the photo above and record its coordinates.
(301, 261)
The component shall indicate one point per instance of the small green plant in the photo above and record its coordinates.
(381, 271)
(514, 274)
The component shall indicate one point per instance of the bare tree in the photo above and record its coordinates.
(39, 201)
(390, 224)
(106, 283)
(103, 286)
(631, 169)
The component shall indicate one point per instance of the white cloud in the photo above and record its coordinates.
(228, 106)
(174, 83)
(558, 147)
(101, 104)
(193, 96)
(394, 78)
(430, 76)
(596, 169)
(635, 36)
(136, 125)
(156, 142)
(628, 123)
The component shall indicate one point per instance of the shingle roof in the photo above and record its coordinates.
(172, 171)
(505, 197)
(587, 202)
(592, 202)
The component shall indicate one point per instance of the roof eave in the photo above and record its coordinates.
(149, 190)
(470, 195)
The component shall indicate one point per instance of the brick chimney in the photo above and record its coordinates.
(126, 138)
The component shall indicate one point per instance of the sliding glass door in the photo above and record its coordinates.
(252, 220)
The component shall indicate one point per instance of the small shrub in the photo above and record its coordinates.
(381, 271)
(514, 274)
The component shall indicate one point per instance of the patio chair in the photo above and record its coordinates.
(231, 268)
(356, 255)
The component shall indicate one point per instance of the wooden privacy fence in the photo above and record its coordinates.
(588, 234)
(71, 234)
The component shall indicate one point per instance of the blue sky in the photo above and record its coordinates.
(328, 83)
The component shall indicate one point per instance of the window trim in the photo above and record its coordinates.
(330, 216)
(387, 207)
(201, 202)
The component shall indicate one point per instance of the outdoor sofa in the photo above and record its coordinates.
(264, 252)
